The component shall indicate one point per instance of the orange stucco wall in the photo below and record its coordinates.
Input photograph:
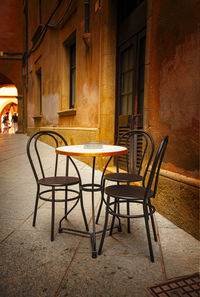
(174, 82)
(95, 76)
(172, 106)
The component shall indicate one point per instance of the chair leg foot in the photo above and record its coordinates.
(152, 259)
(119, 228)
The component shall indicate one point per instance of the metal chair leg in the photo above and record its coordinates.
(66, 202)
(113, 219)
(99, 210)
(83, 211)
(152, 221)
(148, 233)
(118, 210)
(105, 226)
(36, 206)
(128, 219)
(101, 203)
(53, 214)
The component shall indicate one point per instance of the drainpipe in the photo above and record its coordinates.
(87, 34)
(87, 13)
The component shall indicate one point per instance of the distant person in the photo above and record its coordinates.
(5, 123)
(15, 122)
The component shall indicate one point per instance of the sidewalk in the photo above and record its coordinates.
(33, 266)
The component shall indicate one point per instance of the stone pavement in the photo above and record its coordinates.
(33, 266)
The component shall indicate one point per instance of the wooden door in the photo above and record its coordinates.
(130, 68)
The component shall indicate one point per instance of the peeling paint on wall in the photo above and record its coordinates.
(178, 85)
(50, 108)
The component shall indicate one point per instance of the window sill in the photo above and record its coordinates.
(68, 112)
(37, 116)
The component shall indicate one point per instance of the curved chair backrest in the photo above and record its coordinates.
(34, 153)
(140, 146)
(155, 170)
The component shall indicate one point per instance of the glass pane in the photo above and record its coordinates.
(140, 102)
(130, 82)
(124, 105)
(72, 75)
(122, 83)
(125, 61)
(131, 57)
(127, 66)
(126, 75)
(73, 55)
(141, 76)
(73, 88)
(129, 104)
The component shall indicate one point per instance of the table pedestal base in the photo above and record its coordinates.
(89, 187)
(83, 234)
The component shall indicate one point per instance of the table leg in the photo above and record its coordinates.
(93, 235)
(90, 187)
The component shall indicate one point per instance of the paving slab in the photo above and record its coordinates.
(109, 275)
(31, 265)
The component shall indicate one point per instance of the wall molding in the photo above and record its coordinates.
(180, 178)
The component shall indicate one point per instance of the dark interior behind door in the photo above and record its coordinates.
(130, 68)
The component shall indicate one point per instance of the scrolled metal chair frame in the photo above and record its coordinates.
(130, 194)
(129, 177)
(59, 184)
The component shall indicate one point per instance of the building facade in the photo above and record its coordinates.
(94, 69)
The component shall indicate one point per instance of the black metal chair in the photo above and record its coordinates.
(140, 146)
(135, 194)
(54, 182)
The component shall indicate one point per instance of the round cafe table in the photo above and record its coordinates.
(91, 150)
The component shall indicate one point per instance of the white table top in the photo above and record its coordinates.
(79, 150)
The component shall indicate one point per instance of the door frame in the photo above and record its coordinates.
(125, 39)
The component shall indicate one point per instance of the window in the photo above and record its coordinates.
(72, 75)
(39, 90)
(68, 98)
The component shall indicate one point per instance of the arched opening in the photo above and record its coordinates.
(8, 109)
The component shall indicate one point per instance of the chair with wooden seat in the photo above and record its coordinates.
(140, 146)
(50, 184)
(135, 194)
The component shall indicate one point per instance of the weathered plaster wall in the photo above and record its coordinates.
(174, 82)
(95, 72)
(173, 105)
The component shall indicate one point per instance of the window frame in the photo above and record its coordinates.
(67, 103)
(39, 90)
(72, 82)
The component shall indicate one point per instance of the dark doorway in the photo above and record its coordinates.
(130, 65)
